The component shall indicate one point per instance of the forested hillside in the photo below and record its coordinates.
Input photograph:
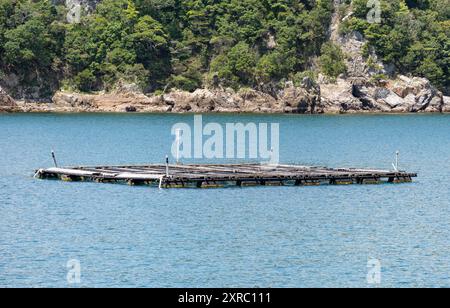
(188, 44)
(414, 35)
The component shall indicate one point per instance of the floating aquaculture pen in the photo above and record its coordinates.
(226, 175)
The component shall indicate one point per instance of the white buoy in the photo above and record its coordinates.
(160, 182)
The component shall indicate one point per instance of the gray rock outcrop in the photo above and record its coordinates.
(446, 105)
(7, 104)
(398, 96)
(290, 100)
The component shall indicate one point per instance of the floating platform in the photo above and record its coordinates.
(230, 175)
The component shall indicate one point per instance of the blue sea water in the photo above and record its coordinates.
(236, 237)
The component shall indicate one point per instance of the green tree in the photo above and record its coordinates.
(237, 66)
(430, 70)
(332, 60)
(31, 39)
(85, 81)
(114, 43)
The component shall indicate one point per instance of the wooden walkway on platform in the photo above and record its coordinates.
(211, 176)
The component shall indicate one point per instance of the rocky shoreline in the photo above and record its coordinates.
(357, 91)
(351, 95)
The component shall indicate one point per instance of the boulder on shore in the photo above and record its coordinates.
(7, 104)
(401, 95)
(446, 106)
(418, 95)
